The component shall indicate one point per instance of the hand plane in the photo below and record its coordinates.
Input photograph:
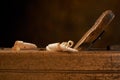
(95, 32)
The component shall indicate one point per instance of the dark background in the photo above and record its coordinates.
(47, 21)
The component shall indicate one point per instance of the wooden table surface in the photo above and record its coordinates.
(44, 65)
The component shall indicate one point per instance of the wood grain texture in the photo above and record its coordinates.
(43, 65)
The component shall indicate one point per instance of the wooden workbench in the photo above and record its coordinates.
(43, 65)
